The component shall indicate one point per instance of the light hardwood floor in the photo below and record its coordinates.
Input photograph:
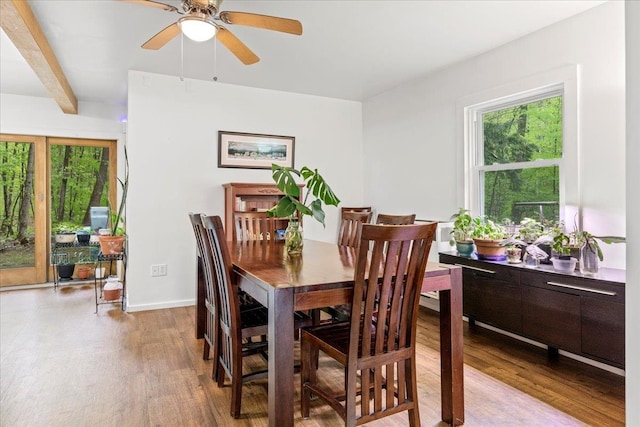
(63, 365)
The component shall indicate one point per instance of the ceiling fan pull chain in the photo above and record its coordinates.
(182, 57)
(215, 60)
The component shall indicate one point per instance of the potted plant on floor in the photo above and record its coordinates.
(290, 207)
(488, 237)
(461, 232)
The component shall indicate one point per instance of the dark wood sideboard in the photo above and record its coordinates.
(566, 311)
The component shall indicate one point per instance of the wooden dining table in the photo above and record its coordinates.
(324, 276)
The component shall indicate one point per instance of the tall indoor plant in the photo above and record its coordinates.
(114, 244)
(290, 205)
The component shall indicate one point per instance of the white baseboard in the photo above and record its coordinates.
(75, 282)
(160, 305)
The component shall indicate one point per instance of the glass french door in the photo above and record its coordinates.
(23, 224)
(48, 183)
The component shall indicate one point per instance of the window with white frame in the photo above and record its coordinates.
(518, 157)
(521, 148)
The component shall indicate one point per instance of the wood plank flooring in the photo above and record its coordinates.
(63, 365)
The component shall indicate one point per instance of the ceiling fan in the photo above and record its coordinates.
(201, 21)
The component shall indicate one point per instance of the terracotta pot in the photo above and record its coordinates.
(489, 249)
(112, 294)
(112, 245)
(83, 272)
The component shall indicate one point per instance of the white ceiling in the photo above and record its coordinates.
(349, 49)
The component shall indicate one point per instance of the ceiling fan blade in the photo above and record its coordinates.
(274, 23)
(163, 37)
(152, 3)
(239, 49)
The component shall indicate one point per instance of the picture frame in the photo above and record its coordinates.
(254, 151)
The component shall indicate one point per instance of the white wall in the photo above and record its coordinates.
(414, 132)
(173, 148)
(632, 27)
(29, 115)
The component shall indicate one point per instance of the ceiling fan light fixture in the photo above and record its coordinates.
(197, 28)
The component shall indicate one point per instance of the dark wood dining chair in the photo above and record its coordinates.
(210, 294)
(350, 226)
(201, 312)
(236, 328)
(203, 284)
(377, 346)
(253, 226)
(395, 219)
(349, 235)
(355, 209)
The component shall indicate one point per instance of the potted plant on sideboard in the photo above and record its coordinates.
(562, 246)
(290, 207)
(488, 237)
(461, 232)
(590, 251)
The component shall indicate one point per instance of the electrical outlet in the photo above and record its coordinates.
(162, 269)
(155, 270)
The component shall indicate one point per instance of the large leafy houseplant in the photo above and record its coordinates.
(290, 205)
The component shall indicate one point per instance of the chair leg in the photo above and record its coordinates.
(305, 361)
(236, 391)
(412, 391)
(205, 352)
(220, 373)
(308, 373)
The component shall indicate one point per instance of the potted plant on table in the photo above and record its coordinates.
(461, 232)
(290, 206)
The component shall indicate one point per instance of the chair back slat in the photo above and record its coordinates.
(388, 279)
(196, 223)
(350, 227)
(344, 209)
(253, 226)
(395, 219)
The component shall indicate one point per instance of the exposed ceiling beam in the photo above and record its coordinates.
(21, 26)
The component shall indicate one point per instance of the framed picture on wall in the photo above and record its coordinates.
(254, 151)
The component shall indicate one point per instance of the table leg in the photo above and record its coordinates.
(281, 357)
(451, 351)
